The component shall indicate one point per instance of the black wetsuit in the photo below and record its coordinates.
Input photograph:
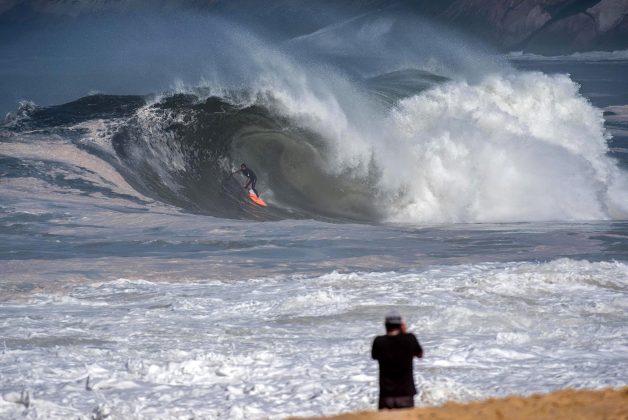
(252, 179)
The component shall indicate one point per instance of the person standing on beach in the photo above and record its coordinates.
(395, 353)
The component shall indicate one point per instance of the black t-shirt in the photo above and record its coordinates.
(395, 354)
(248, 173)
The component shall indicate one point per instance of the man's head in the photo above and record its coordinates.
(243, 166)
(393, 320)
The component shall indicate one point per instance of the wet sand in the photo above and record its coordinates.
(610, 404)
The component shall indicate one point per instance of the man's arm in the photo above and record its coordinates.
(233, 173)
(418, 350)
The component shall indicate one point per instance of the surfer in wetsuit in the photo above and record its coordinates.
(250, 175)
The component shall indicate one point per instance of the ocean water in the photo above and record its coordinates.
(484, 196)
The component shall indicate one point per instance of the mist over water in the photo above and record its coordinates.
(454, 134)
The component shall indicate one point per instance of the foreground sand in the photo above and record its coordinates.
(566, 405)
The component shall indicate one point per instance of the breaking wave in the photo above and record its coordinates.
(428, 138)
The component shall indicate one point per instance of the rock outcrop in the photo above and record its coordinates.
(541, 26)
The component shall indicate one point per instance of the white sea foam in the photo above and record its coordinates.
(518, 146)
(515, 147)
(289, 347)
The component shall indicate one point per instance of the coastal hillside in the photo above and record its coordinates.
(542, 26)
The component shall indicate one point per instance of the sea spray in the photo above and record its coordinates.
(518, 146)
(477, 142)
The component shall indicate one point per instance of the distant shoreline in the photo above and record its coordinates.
(569, 404)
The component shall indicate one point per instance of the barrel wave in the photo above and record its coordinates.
(401, 134)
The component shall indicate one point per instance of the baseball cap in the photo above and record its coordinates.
(393, 317)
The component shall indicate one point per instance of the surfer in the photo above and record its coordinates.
(250, 175)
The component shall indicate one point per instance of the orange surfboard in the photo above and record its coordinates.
(254, 198)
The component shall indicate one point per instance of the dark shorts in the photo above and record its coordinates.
(251, 185)
(391, 403)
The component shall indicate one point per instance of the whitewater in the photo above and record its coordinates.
(484, 196)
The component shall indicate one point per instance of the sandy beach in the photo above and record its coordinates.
(610, 404)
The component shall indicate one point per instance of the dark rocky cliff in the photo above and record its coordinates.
(542, 26)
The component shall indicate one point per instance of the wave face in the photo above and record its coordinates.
(183, 150)
(373, 131)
